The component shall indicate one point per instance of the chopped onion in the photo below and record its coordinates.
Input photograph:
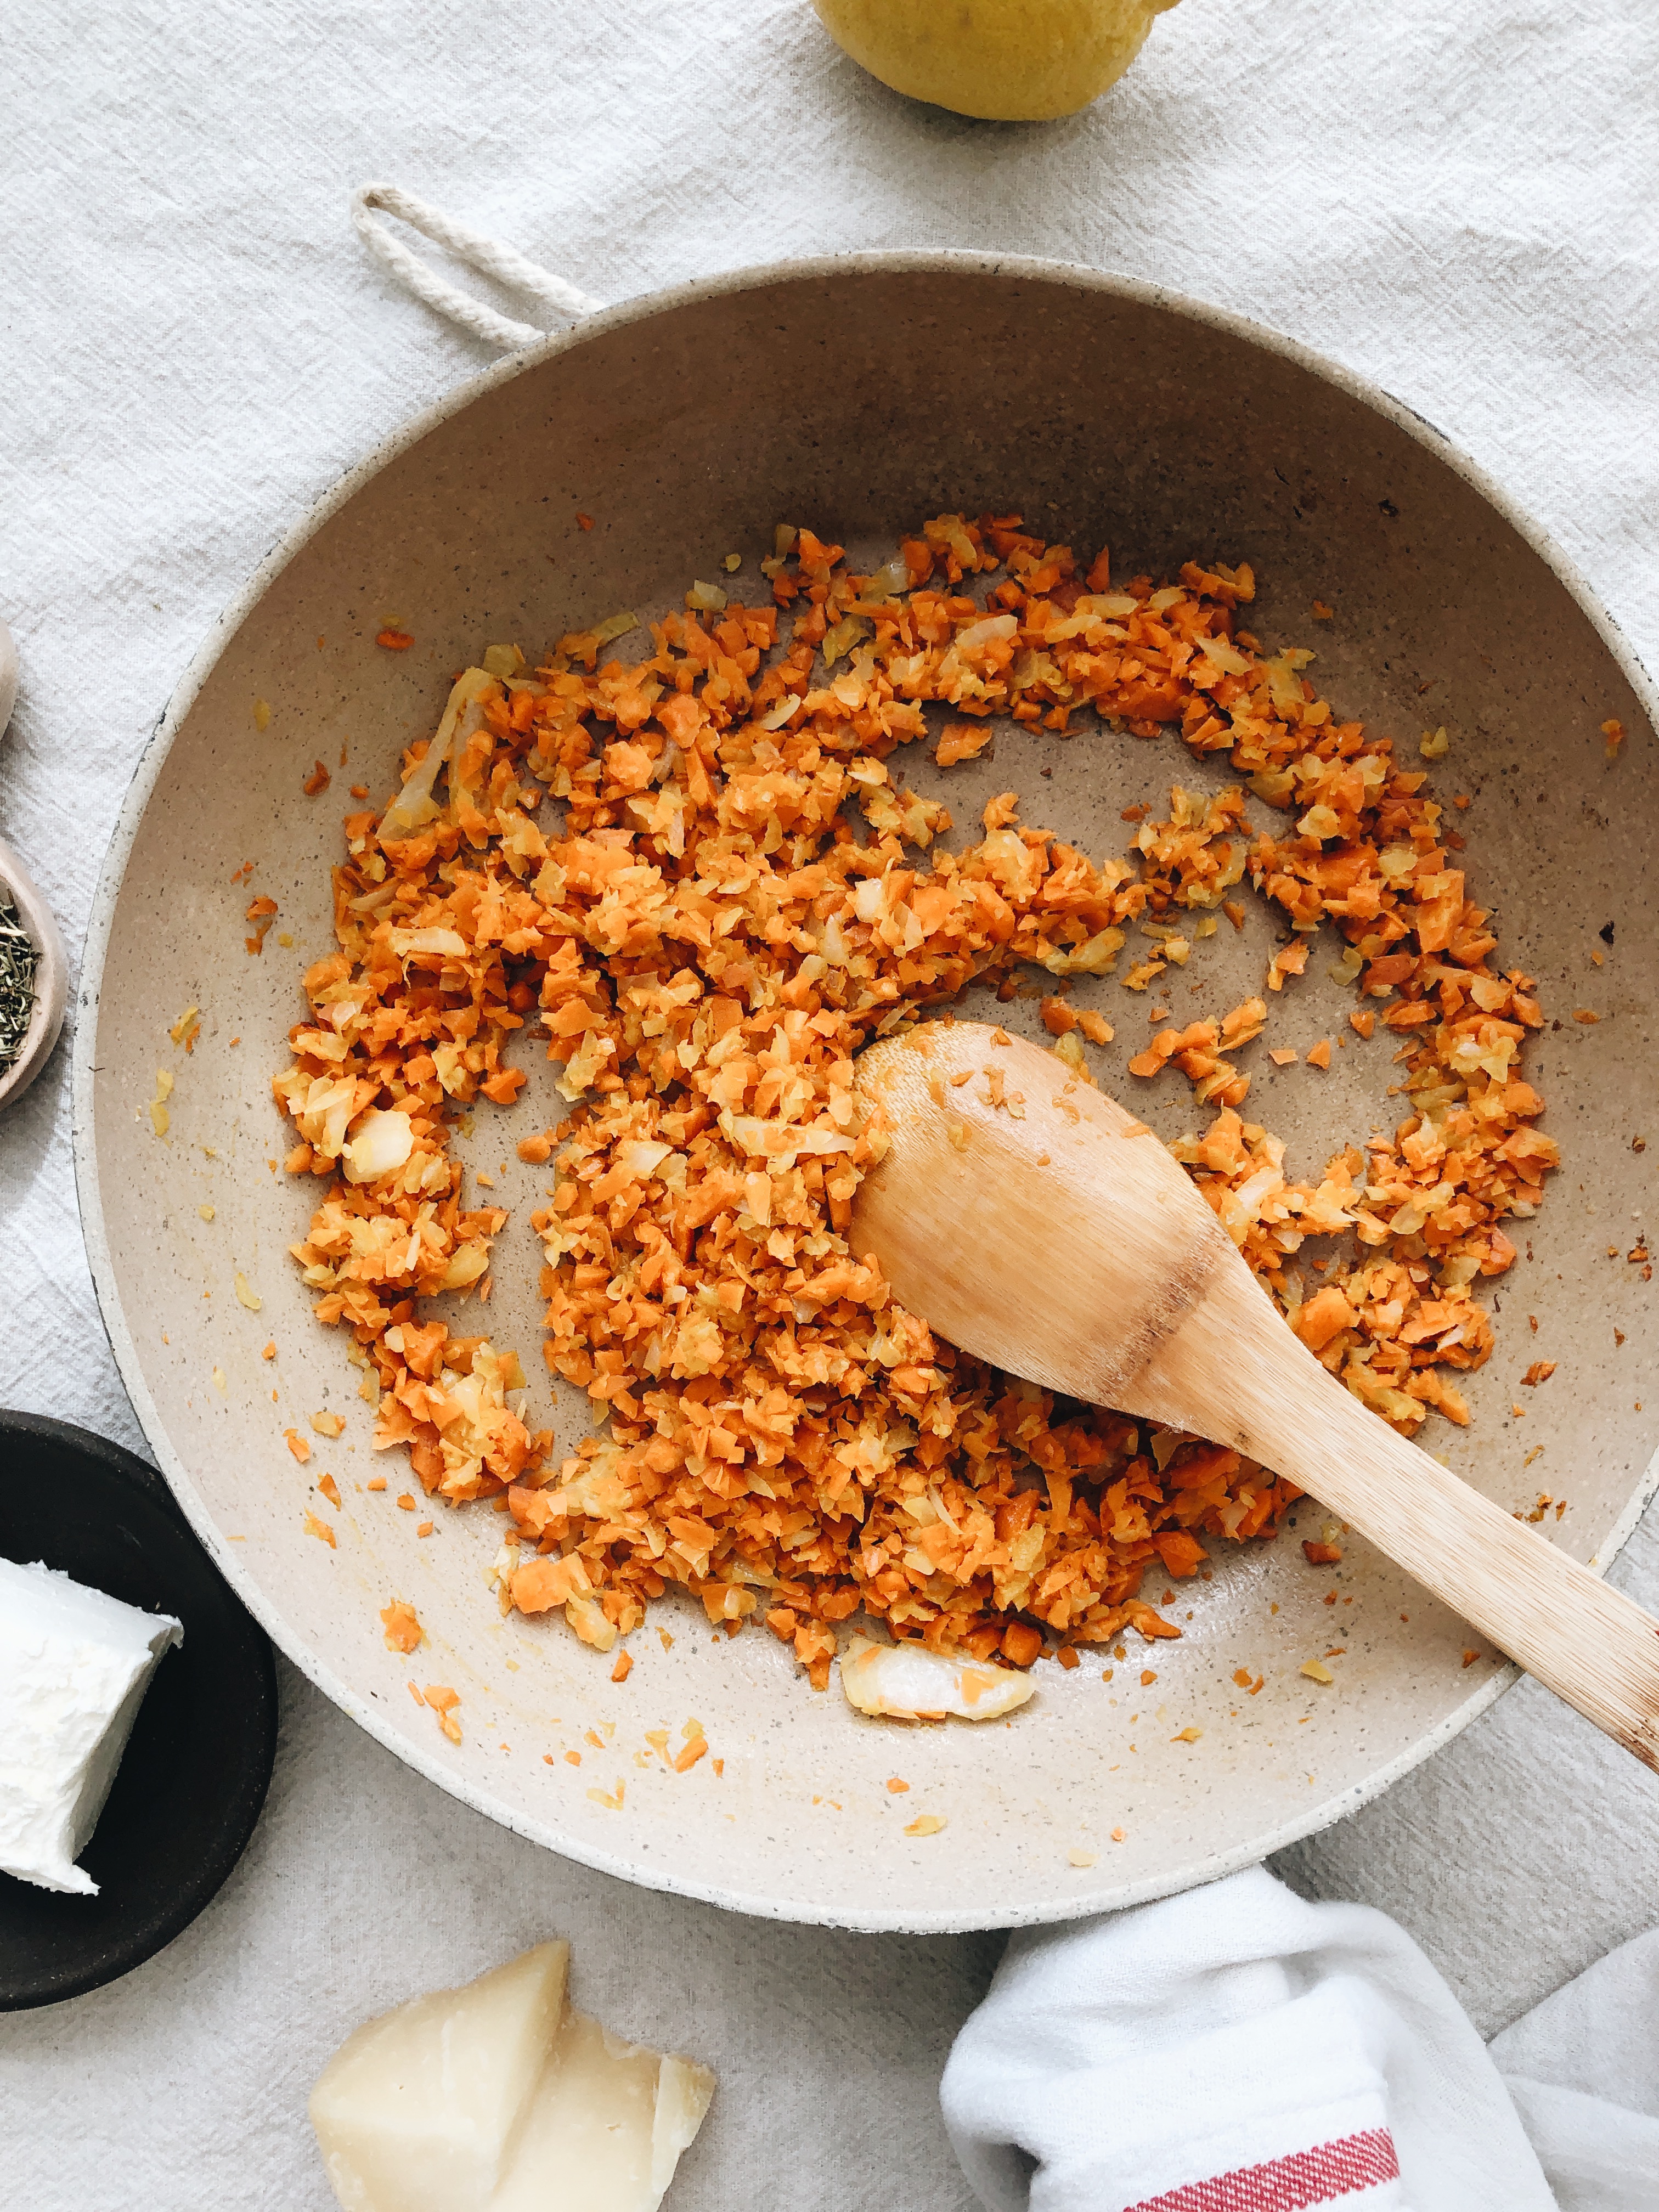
(904, 1681)
(981, 633)
(415, 806)
(948, 530)
(1221, 652)
(1283, 681)
(642, 1156)
(769, 1140)
(379, 1145)
(449, 943)
(842, 638)
(888, 582)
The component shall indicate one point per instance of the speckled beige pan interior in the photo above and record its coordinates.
(861, 396)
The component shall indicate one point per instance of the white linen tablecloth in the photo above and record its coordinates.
(1457, 202)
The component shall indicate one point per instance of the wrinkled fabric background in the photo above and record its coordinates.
(1457, 202)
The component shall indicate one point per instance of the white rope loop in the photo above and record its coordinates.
(503, 263)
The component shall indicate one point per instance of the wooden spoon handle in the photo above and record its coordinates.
(1586, 1642)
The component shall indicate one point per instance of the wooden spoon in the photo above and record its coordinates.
(1054, 1235)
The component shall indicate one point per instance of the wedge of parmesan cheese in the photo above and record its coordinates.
(76, 1663)
(906, 1682)
(497, 2098)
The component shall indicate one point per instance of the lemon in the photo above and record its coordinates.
(1011, 61)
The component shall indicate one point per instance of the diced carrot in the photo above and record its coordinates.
(1325, 1315)
(403, 1629)
(1181, 1554)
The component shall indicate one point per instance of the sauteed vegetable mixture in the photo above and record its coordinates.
(696, 870)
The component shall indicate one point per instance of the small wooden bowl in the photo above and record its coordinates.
(51, 979)
(8, 677)
(51, 974)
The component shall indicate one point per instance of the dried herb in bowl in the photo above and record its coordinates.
(20, 961)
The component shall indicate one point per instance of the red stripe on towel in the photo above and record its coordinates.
(1289, 2184)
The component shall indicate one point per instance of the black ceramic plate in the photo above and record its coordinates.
(196, 1768)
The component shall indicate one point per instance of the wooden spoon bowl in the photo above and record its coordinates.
(1033, 1222)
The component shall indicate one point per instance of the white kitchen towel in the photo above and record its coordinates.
(1239, 2049)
